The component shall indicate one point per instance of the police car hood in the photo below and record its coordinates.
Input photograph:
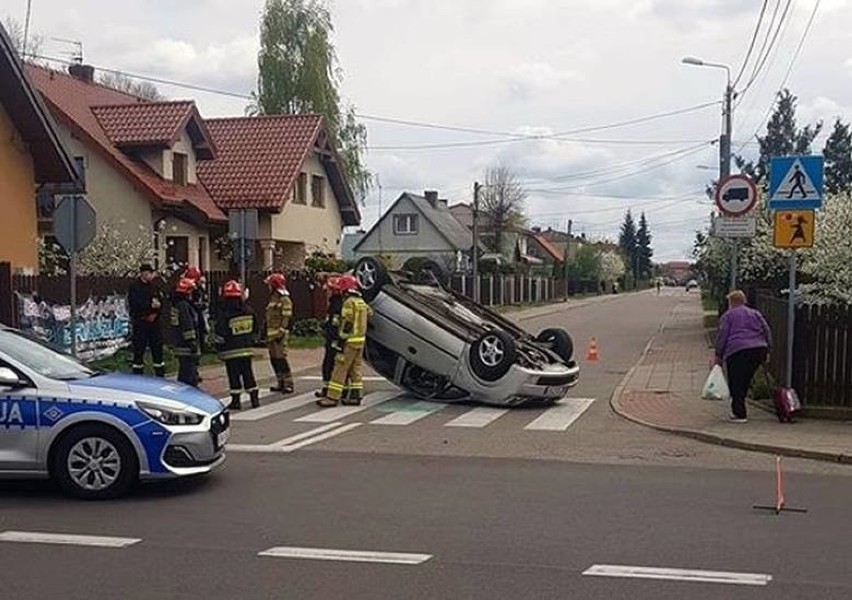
(133, 387)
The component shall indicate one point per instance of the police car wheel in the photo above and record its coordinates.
(94, 462)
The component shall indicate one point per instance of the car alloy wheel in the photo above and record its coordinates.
(94, 464)
(366, 275)
(492, 355)
(491, 351)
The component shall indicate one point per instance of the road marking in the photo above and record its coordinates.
(306, 434)
(227, 399)
(478, 417)
(256, 414)
(32, 537)
(678, 574)
(327, 415)
(409, 414)
(561, 416)
(393, 558)
(318, 378)
(319, 438)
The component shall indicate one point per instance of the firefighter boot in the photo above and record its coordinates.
(353, 398)
(254, 396)
(322, 393)
(235, 402)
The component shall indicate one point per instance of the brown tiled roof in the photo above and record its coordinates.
(259, 159)
(72, 102)
(149, 124)
(555, 252)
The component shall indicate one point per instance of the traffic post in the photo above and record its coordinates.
(75, 225)
(242, 229)
(736, 197)
(795, 192)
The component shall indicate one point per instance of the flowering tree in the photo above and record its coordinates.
(113, 252)
(829, 263)
(611, 266)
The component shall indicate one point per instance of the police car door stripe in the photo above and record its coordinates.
(393, 558)
(32, 537)
(328, 415)
(561, 416)
(478, 417)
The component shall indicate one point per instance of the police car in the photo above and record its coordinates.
(96, 434)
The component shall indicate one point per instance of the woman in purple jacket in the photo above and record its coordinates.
(742, 345)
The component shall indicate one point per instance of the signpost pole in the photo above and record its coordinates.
(735, 246)
(791, 319)
(72, 274)
(243, 247)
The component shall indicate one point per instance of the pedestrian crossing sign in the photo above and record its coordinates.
(796, 182)
(794, 229)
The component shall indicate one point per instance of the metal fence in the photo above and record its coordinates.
(822, 350)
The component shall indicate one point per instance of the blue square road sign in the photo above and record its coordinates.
(796, 182)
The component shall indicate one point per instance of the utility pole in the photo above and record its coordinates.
(566, 256)
(725, 168)
(475, 250)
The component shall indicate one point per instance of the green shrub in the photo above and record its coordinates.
(307, 328)
(763, 385)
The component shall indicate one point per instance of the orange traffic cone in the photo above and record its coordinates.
(592, 352)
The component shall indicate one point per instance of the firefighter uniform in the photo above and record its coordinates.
(332, 345)
(354, 315)
(144, 299)
(183, 321)
(279, 313)
(235, 334)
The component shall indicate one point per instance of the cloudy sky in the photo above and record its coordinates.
(536, 79)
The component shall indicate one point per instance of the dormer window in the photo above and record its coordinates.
(180, 168)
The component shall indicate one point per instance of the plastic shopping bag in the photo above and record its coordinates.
(716, 386)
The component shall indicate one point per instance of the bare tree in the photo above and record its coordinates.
(502, 203)
(123, 83)
(16, 34)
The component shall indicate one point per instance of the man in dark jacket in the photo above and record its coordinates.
(183, 321)
(145, 301)
(236, 332)
(331, 333)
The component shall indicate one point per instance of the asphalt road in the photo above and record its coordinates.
(493, 510)
(490, 529)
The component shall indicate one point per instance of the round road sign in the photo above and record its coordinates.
(736, 195)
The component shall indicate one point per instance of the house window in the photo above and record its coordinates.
(318, 191)
(180, 165)
(177, 250)
(405, 224)
(80, 164)
(301, 189)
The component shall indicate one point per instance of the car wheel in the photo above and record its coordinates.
(559, 341)
(492, 355)
(371, 275)
(94, 462)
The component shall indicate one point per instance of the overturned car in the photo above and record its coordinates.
(442, 346)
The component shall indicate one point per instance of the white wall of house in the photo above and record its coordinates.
(317, 227)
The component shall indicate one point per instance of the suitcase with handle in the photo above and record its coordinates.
(786, 404)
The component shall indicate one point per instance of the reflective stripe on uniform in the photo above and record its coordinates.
(238, 353)
(335, 387)
(356, 339)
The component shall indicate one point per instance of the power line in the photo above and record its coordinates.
(759, 65)
(450, 145)
(752, 43)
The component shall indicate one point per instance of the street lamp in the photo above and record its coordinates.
(724, 141)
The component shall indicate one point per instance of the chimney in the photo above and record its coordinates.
(443, 204)
(84, 73)
(431, 197)
(536, 229)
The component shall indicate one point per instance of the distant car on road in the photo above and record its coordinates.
(440, 345)
(96, 434)
(691, 285)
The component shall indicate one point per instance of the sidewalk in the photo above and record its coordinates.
(663, 391)
(215, 382)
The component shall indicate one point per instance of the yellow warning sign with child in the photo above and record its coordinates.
(794, 229)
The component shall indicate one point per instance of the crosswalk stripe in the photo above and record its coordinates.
(395, 558)
(328, 415)
(256, 414)
(227, 399)
(561, 416)
(319, 438)
(62, 539)
(411, 414)
(478, 417)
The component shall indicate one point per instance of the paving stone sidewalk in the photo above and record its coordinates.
(663, 391)
(215, 382)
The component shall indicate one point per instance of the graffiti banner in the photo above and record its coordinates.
(103, 324)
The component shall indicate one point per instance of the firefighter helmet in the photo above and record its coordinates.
(348, 283)
(232, 289)
(276, 281)
(193, 273)
(185, 286)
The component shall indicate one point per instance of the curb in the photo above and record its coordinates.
(710, 438)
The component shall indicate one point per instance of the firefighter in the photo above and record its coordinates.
(352, 336)
(235, 334)
(279, 312)
(200, 301)
(183, 321)
(145, 302)
(332, 325)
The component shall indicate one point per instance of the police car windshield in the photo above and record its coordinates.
(40, 358)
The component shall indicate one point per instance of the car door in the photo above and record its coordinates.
(19, 433)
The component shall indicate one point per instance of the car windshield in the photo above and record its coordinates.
(40, 358)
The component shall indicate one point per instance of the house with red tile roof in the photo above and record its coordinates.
(32, 157)
(140, 162)
(287, 168)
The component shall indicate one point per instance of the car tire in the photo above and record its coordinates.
(559, 341)
(371, 275)
(118, 470)
(492, 355)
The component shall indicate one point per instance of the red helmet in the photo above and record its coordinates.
(276, 281)
(193, 273)
(185, 286)
(332, 283)
(348, 283)
(232, 289)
